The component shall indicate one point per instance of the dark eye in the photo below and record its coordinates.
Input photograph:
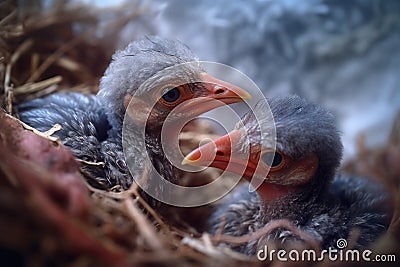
(272, 159)
(171, 95)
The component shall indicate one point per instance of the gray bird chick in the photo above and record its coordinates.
(299, 183)
(144, 82)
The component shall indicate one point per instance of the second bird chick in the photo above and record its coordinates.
(299, 184)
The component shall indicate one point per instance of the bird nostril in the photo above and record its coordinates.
(219, 90)
(220, 153)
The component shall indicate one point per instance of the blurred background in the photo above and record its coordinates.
(344, 55)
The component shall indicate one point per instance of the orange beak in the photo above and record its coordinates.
(223, 90)
(219, 93)
(219, 154)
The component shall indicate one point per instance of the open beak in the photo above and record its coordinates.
(219, 154)
(218, 93)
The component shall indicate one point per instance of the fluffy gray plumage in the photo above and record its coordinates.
(132, 66)
(91, 125)
(327, 207)
(85, 130)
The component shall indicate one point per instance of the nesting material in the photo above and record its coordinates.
(49, 214)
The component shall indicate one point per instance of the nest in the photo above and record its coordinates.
(49, 214)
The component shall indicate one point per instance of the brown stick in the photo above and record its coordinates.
(148, 232)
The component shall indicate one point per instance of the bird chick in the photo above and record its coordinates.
(299, 180)
(144, 84)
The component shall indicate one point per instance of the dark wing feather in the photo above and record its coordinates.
(85, 130)
(78, 114)
(368, 205)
